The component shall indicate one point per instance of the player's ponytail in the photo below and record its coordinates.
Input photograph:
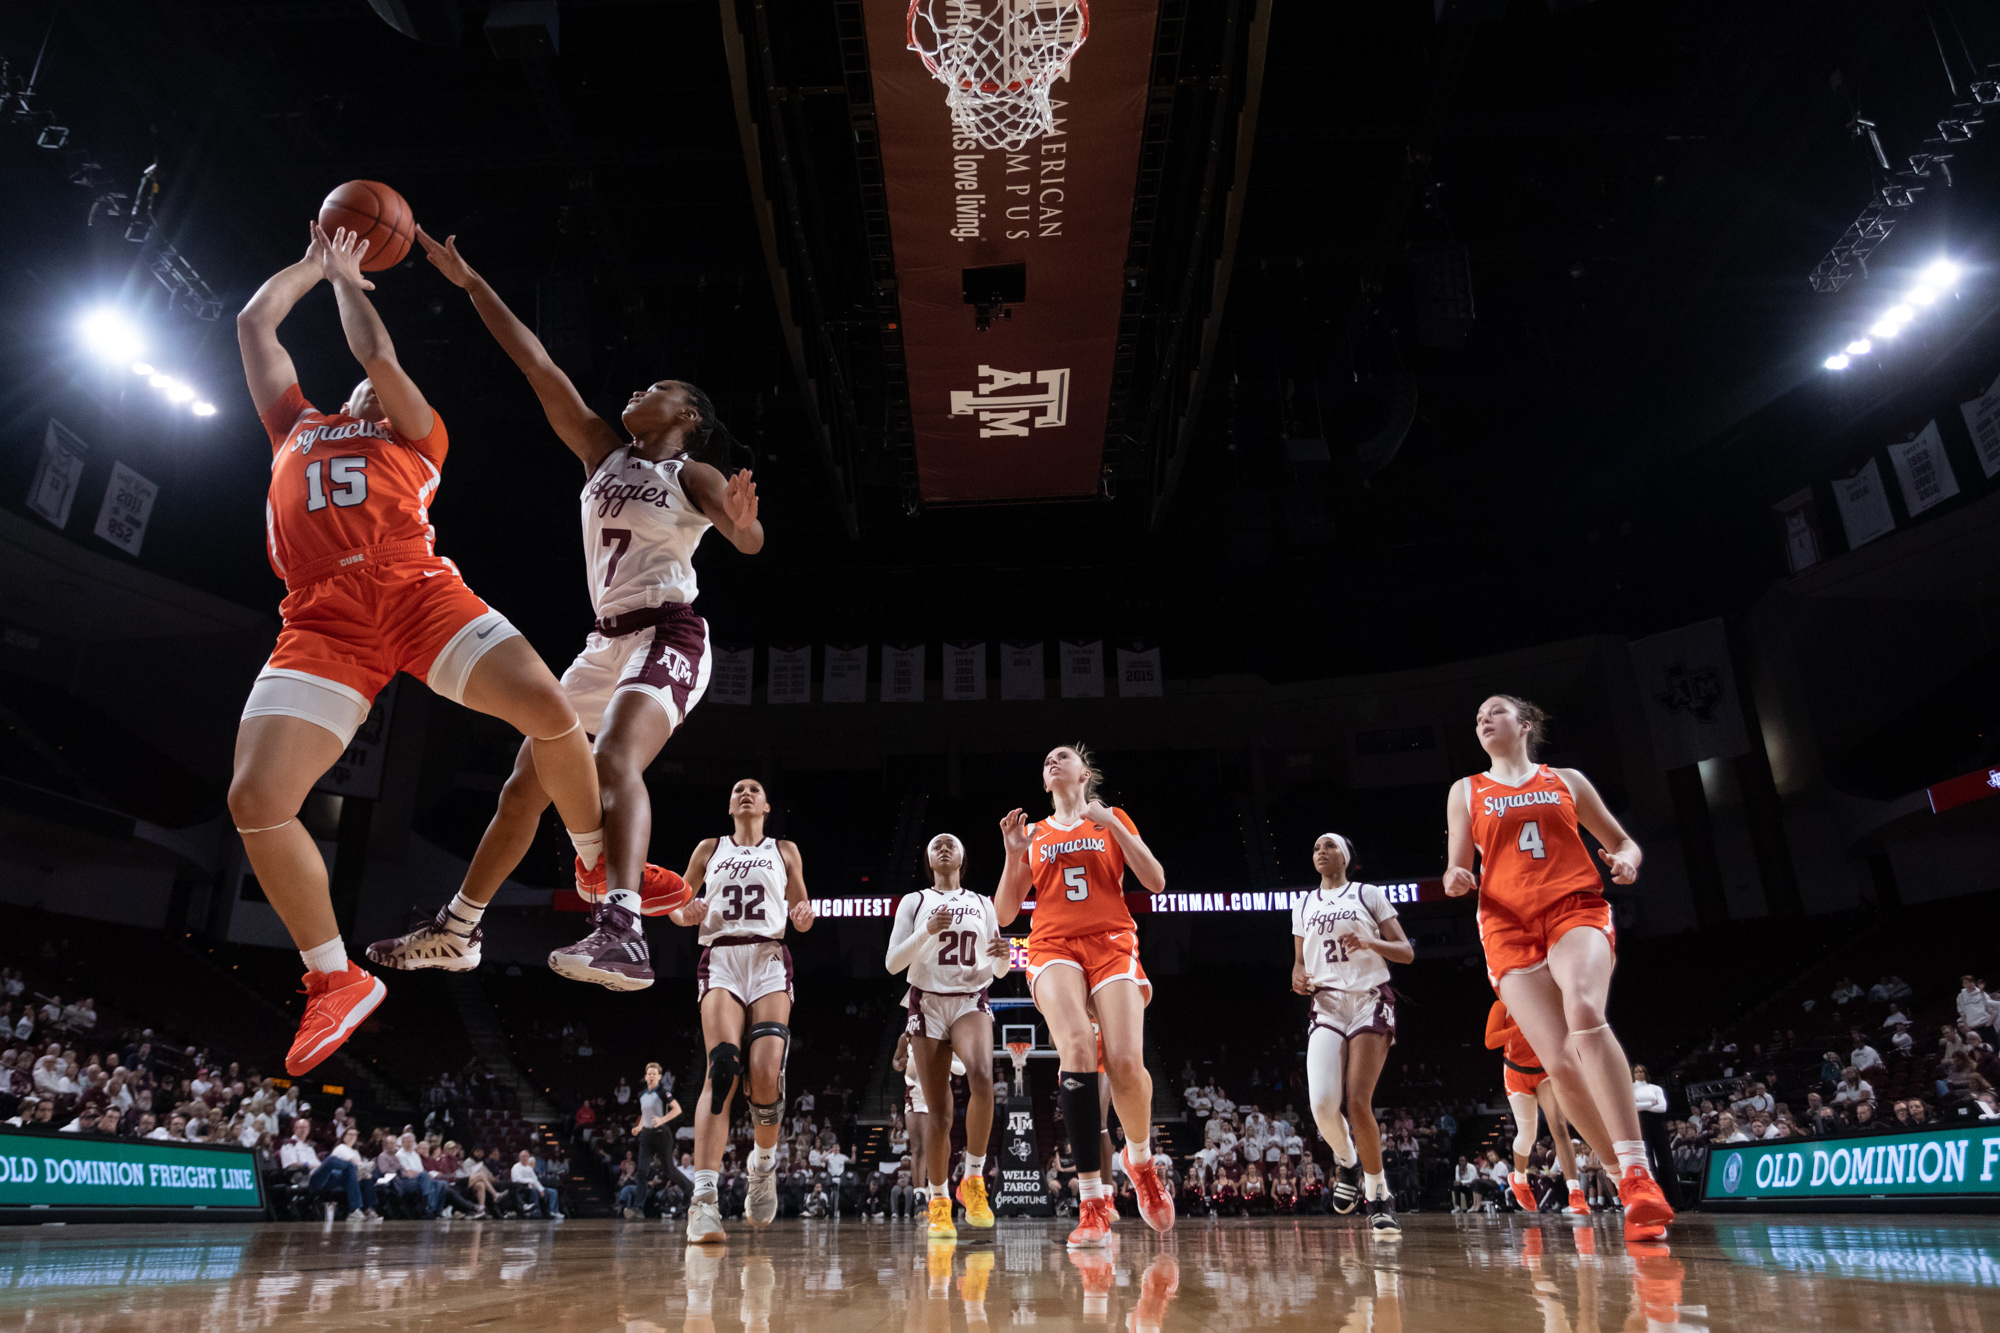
(711, 442)
(1093, 776)
(1533, 718)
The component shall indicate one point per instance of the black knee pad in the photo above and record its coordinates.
(724, 1065)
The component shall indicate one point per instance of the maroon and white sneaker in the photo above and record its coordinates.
(613, 955)
(434, 945)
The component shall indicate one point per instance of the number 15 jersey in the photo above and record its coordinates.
(1079, 875)
(1531, 855)
(744, 889)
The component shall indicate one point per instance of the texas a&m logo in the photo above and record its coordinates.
(679, 669)
(1002, 413)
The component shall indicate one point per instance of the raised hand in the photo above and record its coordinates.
(446, 259)
(1014, 832)
(1100, 812)
(739, 499)
(341, 255)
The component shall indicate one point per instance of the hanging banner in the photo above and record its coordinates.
(791, 676)
(1798, 527)
(1139, 673)
(730, 674)
(1080, 666)
(1982, 418)
(1690, 695)
(1923, 471)
(902, 674)
(57, 475)
(1864, 506)
(1019, 410)
(1021, 671)
(128, 504)
(964, 671)
(358, 772)
(846, 679)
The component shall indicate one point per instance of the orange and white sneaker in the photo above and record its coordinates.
(1522, 1194)
(1578, 1205)
(1098, 1280)
(1093, 1225)
(1647, 1211)
(660, 889)
(1155, 1204)
(336, 1003)
(590, 884)
(1157, 1288)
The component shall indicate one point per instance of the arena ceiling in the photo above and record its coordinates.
(1527, 286)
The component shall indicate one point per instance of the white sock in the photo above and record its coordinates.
(975, 1166)
(1377, 1184)
(1631, 1153)
(762, 1158)
(464, 914)
(328, 957)
(704, 1183)
(1138, 1150)
(626, 899)
(589, 846)
(1091, 1186)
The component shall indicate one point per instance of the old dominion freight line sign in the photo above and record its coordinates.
(84, 1171)
(1930, 1164)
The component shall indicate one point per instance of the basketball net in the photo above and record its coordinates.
(997, 60)
(1018, 1052)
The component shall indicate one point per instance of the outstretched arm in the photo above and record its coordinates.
(266, 363)
(1014, 877)
(368, 337)
(589, 436)
(730, 505)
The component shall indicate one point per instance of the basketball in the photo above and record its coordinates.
(375, 213)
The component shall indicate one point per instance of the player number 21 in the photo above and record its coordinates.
(350, 483)
(1076, 881)
(1531, 840)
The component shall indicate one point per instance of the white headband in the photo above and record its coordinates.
(1346, 847)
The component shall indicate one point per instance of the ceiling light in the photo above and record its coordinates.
(1902, 314)
(1885, 328)
(1838, 361)
(1860, 347)
(1923, 296)
(107, 334)
(159, 381)
(204, 409)
(178, 392)
(1941, 274)
(141, 368)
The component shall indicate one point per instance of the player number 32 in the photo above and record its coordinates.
(350, 483)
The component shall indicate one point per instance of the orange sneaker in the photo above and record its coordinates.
(1157, 1289)
(1578, 1205)
(1098, 1280)
(336, 1002)
(1093, 1225)
(660, 889)
(590, 885)
(1155, 1204)
(1646, 1209)
(1522, 1194)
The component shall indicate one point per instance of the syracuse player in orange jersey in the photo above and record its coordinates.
(1083, 963)
(366, 596)
(1546, 929)
(1530, 1094)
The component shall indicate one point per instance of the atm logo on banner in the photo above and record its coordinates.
(1014, 413)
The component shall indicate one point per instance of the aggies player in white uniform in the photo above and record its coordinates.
(647, 502)
(1344, 936)
(750, 885)
(948, 940)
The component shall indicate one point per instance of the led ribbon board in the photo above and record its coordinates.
(1862, 1171)
(1018, 411)
(83, 1171)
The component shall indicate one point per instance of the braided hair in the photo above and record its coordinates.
(710, 442)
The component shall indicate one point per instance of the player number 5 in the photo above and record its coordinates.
(1531, 840)
(1077, 882)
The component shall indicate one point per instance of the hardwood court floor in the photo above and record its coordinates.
(1467, 1275)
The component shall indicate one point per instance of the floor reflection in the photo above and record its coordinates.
(1462, 1273)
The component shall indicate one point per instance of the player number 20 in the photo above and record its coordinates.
(1531, 840)
(958, 947)
(1076, 881)
(350, 483)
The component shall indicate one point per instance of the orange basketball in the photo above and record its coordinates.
(375, 213)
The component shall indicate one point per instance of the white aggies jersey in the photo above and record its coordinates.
(1322, 917)
(744, 888)
(639, 534)
(954, 961)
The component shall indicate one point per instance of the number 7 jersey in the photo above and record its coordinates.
(744, 889)
(1531, 855)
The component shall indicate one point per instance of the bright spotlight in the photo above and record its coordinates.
(159, 381)
(1941, 274)
(107, 334)
(141, 368)
(1902, 314)
(1860, 347)
(178, 392)
(204, 409)
(1885, 327)
(1838, 361)
(1923, 296)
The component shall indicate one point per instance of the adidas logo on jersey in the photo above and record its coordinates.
(1500, 805)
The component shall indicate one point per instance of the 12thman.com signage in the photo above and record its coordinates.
(60, 1171)
(1932, 1164)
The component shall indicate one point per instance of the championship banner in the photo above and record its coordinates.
(902, 674)
(1860, 1172)
(1080, 667)
(730, 674)
(1024, 1192)
(1982, 418)
(57, 476)
(1021, 671)
(790, 681)
(1923, 471)
(1798, 526)
(1028, 245)
(964, 671)
(1864, 506)
(1690, 695)
(1139, 673)
(846, 675)
(70, 1171)
(127, 508)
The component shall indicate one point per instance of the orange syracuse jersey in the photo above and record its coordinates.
(1079, 875)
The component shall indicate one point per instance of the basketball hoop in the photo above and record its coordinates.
(997, 60)
(1017, 1051)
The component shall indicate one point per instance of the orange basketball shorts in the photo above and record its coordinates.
(1104, 957)
(1521, 944)
(345, 636)
(1521, 1083)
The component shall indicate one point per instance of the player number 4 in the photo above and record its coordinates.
(1531, 840)
(350, 483)
(1076, 880)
